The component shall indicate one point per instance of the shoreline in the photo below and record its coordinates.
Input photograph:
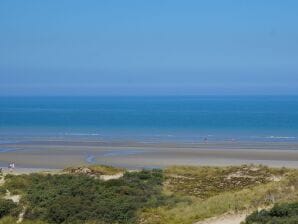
(23, 170)
(53, 154)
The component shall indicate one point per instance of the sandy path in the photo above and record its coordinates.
(111, 177)
(15, 199)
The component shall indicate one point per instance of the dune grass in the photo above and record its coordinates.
(214, 191)
(95, 169)
(205, 182)
(13, 220)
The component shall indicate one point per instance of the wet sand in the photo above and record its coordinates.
(62, 153)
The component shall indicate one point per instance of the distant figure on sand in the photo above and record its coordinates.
(11, 167)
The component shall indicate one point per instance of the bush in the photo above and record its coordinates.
(7, 207)
(279, 214)
(2, 191)
(79, 198)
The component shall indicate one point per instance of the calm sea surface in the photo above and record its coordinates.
(193, 119)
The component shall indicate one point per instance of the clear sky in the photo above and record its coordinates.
(109, 47)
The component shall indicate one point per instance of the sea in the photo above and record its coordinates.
(150, 118)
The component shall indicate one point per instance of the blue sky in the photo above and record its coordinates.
(109, 47)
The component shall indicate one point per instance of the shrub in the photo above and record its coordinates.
(279, 214)
(7, 207)
(79, 198)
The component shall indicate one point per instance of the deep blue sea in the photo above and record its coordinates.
(188, 118)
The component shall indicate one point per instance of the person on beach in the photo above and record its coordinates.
(11, 167)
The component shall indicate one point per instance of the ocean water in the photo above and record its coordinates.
(189, 118)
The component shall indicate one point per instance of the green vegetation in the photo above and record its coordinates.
(279, 214)
(8, 207)
(177, 195)
(79, 198)
(13, 220)
(2, 191)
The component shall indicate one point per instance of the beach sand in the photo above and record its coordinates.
(57, 154)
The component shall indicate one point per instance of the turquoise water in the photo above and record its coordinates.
(255, 118)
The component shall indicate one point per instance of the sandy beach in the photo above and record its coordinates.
(54, 154)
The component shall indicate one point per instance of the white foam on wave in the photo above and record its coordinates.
(280, 137)
(2, 142)
(80, 134)
(6, 150)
